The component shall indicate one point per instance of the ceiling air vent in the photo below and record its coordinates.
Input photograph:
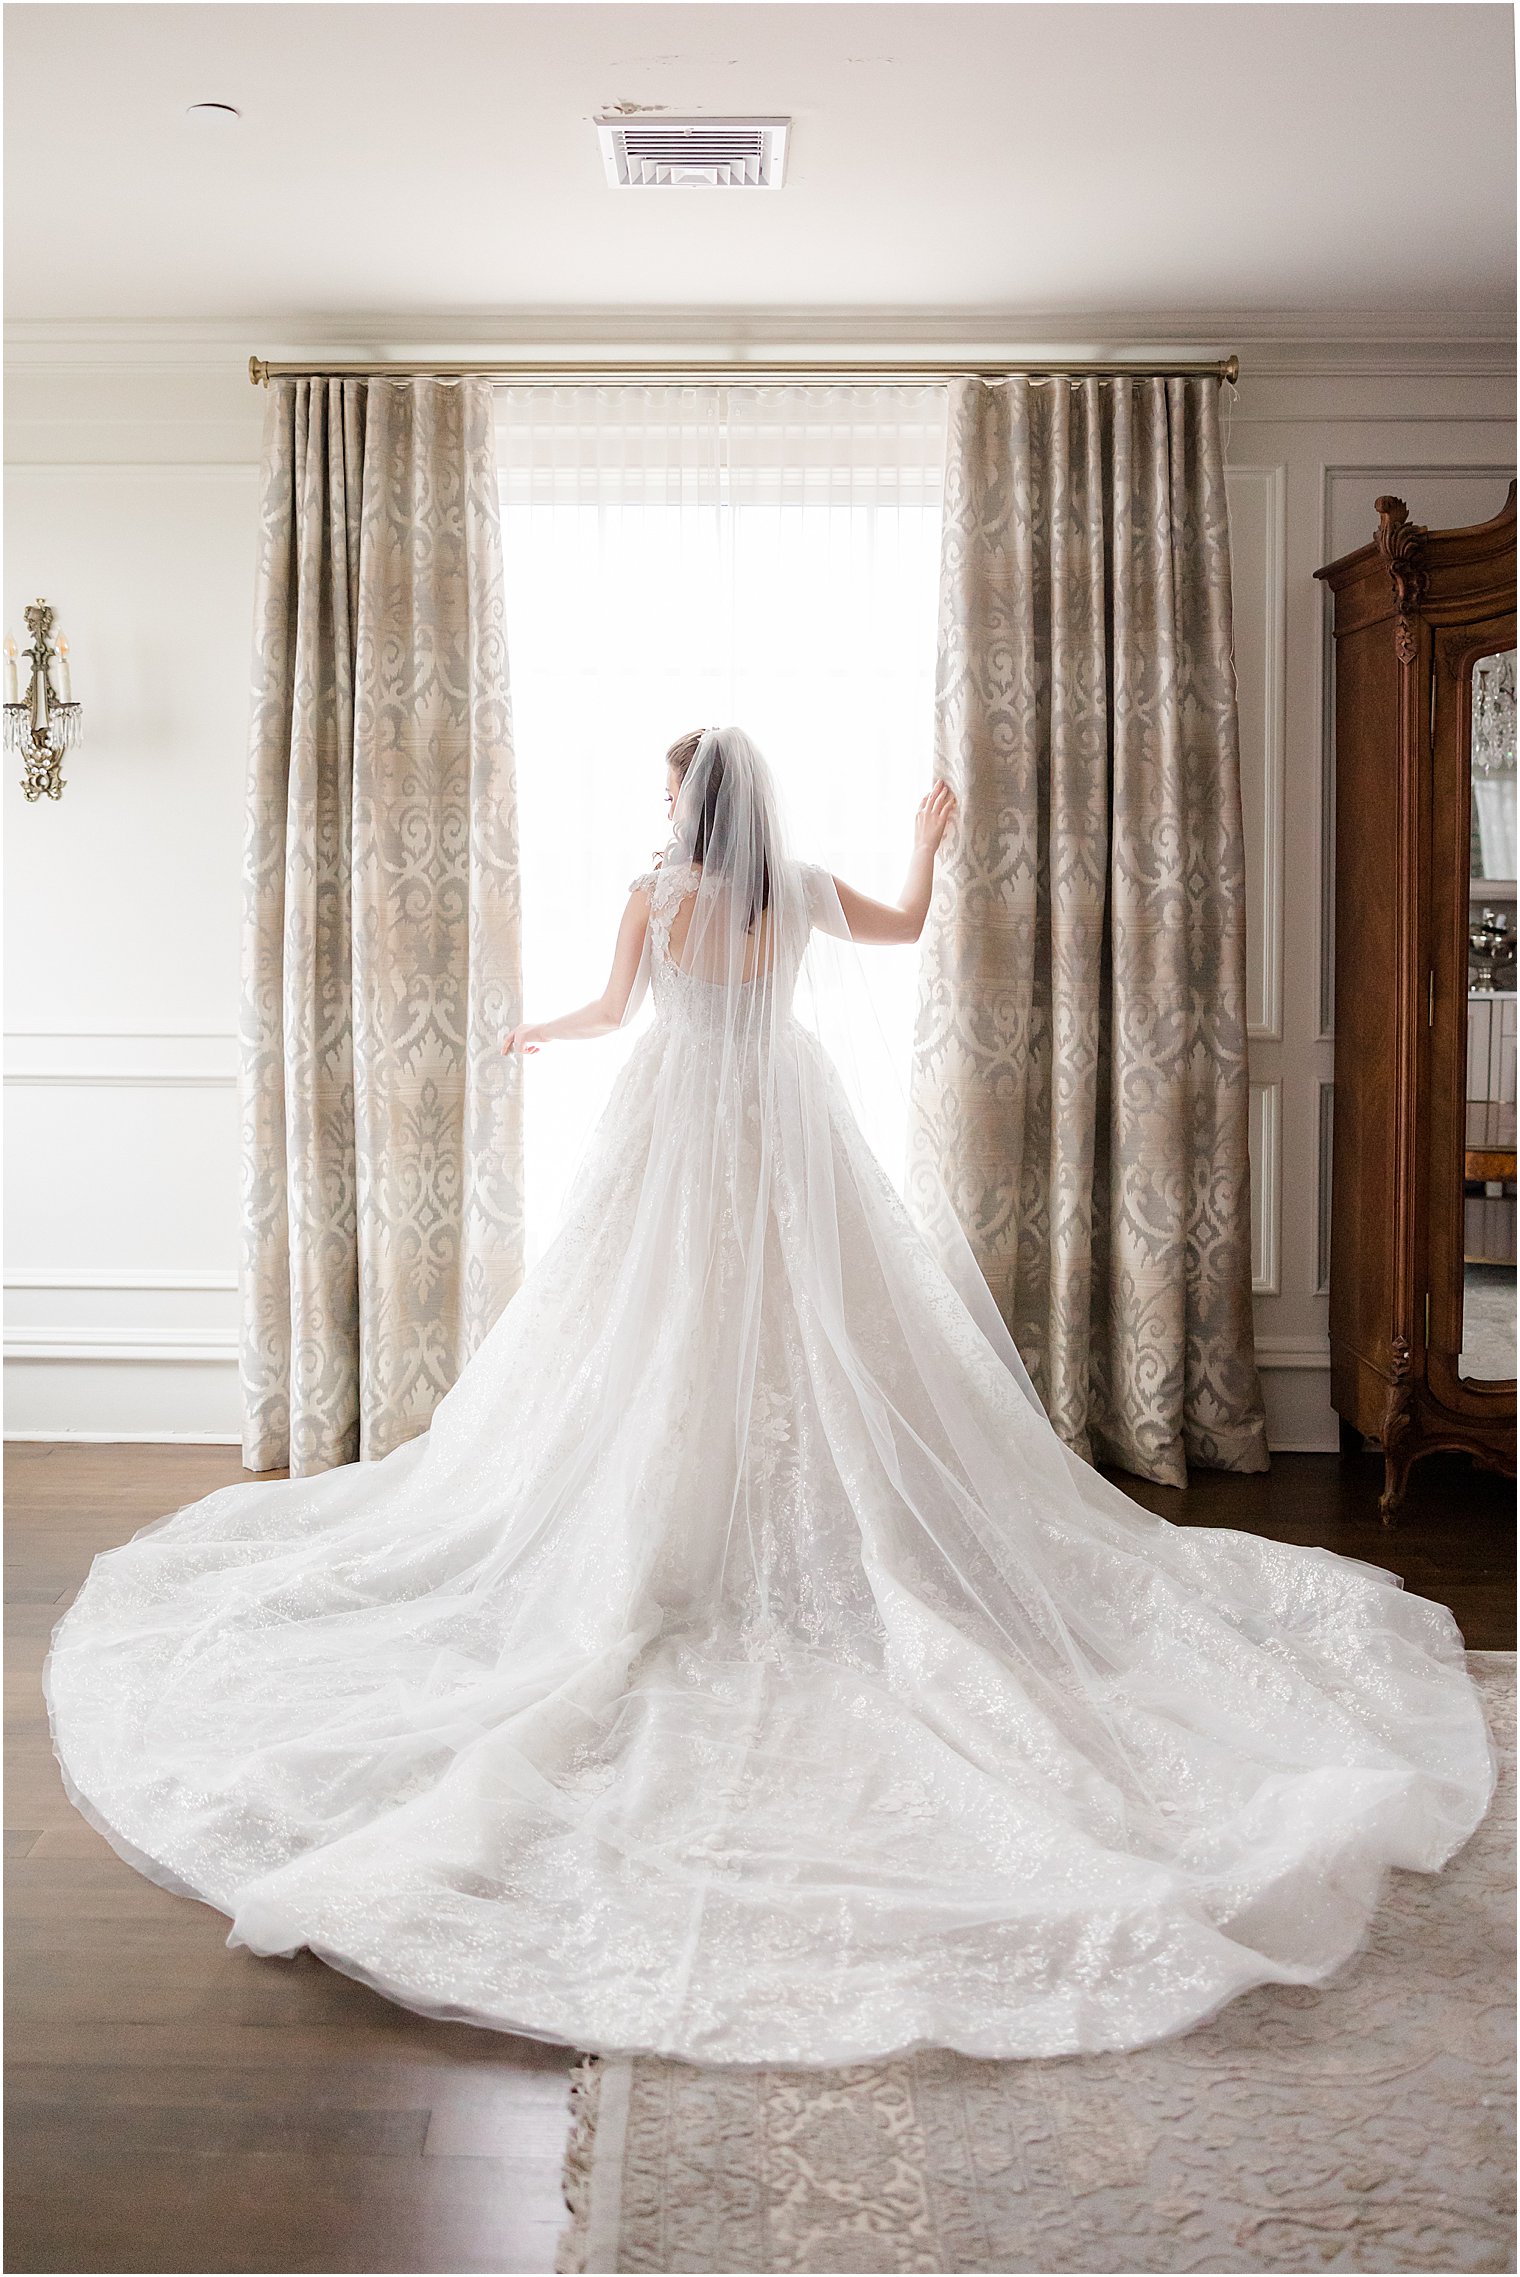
(683, 154)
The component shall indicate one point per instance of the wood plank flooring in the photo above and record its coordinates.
(176, 2106)
(1453, 1539)
(172, 2105)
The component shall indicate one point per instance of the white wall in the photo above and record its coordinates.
(131, 505)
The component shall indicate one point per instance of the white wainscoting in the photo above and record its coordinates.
(132, 504)
(123, 1147)
(122, 914)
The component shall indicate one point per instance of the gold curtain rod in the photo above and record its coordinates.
(261, 372)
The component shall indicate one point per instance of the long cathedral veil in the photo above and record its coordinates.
(767, 943)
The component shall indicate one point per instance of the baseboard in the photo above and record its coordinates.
(231, 1439)
(124, 1438)
(1295, 1390)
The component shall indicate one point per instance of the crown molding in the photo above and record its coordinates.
(1287, 342)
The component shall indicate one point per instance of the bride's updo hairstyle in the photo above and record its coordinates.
(720, 821)
(684, 750)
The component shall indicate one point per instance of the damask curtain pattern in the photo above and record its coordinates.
(1079, 1076)
(381, 1129)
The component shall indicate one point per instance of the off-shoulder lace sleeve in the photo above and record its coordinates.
(818, 895)
(664, 886)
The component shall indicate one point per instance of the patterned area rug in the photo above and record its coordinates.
(1364, 2125)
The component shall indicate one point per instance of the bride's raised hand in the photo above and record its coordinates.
(936, 812)
(523, 1039)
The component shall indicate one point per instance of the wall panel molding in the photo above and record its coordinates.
(198, 470)
(120, 1345)
(1266, 1187)
(122, 1035)
(1277, 416)
(134, 1078)
(1260, 588)
(138, 1058)
(1324, 1152)
(134, 1277)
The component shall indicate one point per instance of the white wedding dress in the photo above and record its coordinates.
(740, 1668)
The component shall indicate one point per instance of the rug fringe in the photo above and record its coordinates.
(575, 2177)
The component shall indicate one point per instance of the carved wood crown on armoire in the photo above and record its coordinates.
(1422, 1231)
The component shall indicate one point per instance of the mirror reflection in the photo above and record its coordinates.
(1488, 1304)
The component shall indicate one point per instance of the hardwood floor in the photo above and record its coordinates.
(1453, 1540)
(176, 2106)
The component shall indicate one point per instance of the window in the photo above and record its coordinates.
(679, 555)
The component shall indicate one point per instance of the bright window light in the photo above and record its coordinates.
(690, 555)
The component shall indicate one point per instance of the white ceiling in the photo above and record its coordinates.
(439, 160)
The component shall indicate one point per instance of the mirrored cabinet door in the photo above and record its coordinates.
(1422, 1217)
(1488, 1164)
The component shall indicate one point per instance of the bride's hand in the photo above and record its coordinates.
(936, 812)
(524, 1038)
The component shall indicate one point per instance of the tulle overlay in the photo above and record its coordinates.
(740, 1668)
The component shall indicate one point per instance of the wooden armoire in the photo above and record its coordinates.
(1415, 612)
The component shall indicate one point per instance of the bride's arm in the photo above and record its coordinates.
(903, 920)
(604, 1012)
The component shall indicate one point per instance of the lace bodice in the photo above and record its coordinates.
(667, 888)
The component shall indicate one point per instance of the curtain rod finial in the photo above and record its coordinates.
(1230, 369)
(258, 374)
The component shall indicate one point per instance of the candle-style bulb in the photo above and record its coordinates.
(11, 691)
(65, 678)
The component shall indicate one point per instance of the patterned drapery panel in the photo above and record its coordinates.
(1079, 1078)
(381, 1129)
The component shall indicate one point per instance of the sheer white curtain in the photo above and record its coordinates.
(679, 555)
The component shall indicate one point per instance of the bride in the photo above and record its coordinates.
(740, 1668)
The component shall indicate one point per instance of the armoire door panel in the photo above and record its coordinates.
(1457, 649)
(1419, 1166)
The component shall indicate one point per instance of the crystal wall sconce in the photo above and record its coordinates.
(44, 723)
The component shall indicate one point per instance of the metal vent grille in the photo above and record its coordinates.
(684, 154)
